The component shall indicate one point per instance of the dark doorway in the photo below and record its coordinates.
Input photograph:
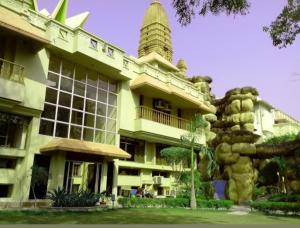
(40, 189)
(110, 177)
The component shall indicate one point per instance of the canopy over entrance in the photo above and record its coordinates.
(84, 147)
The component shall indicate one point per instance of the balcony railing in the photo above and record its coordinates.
(161, 117)
(11, 71)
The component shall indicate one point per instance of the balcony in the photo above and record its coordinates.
(11, 71)
(161, 117)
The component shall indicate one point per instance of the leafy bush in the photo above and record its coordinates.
(60, 198)
(272, 207)
(173, 202)
(285, 198)
(281, 139)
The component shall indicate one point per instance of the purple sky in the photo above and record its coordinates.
(234, 51)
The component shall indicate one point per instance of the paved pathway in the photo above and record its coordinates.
(239, 210)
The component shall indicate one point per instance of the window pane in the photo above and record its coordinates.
(92, 78)
(90, 106)
(112, 87)
(103, 83)
(67, 69)
(110, 138)
(100, 123)
(80, 74)
(52, 80)
(51, 96)
(101, 109)
(46, 127)
(75, 132)
(63, 114)
(102, 96)
(89, 120)
(65, 99)
(66, 84)
(54, 64)
(100, 137)
(112, 112)
(49, 112)
(88, 134)
(111, 125)
(77, 117)
(112, 99)
(79, 88)
(78, 103)
(91, 92)
(61, 130)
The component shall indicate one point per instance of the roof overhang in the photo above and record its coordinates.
(14, 23)
(149, 86)
(84, 147)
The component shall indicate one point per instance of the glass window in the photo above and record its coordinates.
(110, 138)
(63, 114)
(67, 69)
(92, 78)
(78, 103)
(75, 132)
(112, 99)
(79, 88)
(111, 125)
(101, 109)
(46, 127)
(65, 99)
(102, 96)
(112, 112)
(49, 111)
(80, 74)
(88, 134)
(61, 130)
(103, 83)
(112, 87)
(91, 92)
(52, 80)
(90, 106)
(93, 44)
(51, 95)
(89, 120)
(66, 84)
(100, 136)
(77, 117)
(100, 122)
(54, 64)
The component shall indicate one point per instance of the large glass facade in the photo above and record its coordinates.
(80, 104)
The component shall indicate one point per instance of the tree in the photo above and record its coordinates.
(192, 141)
(282, 31)
(39, 176)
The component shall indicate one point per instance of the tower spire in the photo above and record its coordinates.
(155, 32)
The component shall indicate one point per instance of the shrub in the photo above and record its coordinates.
(173, 202)
(60, 198)
(285, 198)
(272, 207)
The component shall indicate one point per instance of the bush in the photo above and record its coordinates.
(60, 198)
(173, 202)
(272, 207)
(285, 198)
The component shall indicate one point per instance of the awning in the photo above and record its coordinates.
(149, 85)
(85, 147)
(15, 23)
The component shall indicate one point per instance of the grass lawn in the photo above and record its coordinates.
(142, 216)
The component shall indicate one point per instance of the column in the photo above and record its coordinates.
(115, 180)
(57, 171)
(103, 178)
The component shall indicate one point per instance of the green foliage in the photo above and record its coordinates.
(60, 198)
(280, 162)
(281, 139)
(39, 176)
(207, 190)
(186, 9)
(175, 155)
(285, 198)
(173, 202)
(272, 207)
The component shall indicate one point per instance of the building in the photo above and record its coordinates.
(91, 116)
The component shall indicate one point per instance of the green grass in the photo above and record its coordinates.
(142, 216)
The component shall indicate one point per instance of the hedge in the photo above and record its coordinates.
(285, 198)
(173, 202)
(272, 207)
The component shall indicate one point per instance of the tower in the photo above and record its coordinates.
(156, 33)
